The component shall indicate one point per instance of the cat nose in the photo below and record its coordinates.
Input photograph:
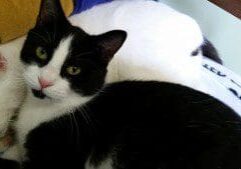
(44, 83)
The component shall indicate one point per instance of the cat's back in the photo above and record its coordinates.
(157, 36)
(164, 124)
(11, 54)
(151, 21)
(183, 125)
(159, 97)
(114, 13)
(135, 15)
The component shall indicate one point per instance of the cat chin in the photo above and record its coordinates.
(39, 94)
(53, 95)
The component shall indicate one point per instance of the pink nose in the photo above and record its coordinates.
(44, 83)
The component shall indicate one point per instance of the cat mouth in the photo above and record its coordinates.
(38, 93)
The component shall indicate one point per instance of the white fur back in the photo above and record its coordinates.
(159, 43)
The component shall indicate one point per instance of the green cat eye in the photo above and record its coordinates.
(41, 53)
(73, 70)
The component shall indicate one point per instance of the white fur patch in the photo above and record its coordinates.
(51, 72)
(159, 43)
(106, 164)
(13, 153)
(36, 111)
(61, 53)
(12, 86)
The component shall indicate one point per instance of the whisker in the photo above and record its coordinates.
(90, 119)
(71, 124)
(77, 129)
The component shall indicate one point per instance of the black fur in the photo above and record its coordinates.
(8, 164)
(141, 125)
(210, 51)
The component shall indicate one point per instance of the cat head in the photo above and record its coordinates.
(62, 60)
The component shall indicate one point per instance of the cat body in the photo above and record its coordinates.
(139, 125)
(66, 68)
(159, 45)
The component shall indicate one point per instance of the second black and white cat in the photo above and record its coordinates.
(71, 119)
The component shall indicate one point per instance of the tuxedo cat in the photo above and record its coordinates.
(72, 119)
(138, 125)
(162, 44)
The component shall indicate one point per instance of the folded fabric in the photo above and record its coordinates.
(82, 5)
(18, 16)
(222, 83)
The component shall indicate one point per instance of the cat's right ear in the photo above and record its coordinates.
(109, 43)
(50, 12)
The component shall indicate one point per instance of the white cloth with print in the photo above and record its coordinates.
(222, 83)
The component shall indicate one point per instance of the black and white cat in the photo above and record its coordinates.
(162, 44)
(71, 119)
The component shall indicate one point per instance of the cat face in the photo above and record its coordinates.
(62, 60)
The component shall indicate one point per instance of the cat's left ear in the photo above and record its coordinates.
(109, 43)
(50, 12)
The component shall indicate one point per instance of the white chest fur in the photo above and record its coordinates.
(36, 111)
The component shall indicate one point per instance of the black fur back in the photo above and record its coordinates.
(141, 125)
(210, 51)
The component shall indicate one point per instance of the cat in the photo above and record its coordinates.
(12, 86)
(152, 37)
(163, 45)
(72, 119)
(51, 68)
(171, 43)
(139, 125)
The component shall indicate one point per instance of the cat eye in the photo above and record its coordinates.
(73, 70)
(41, 53)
